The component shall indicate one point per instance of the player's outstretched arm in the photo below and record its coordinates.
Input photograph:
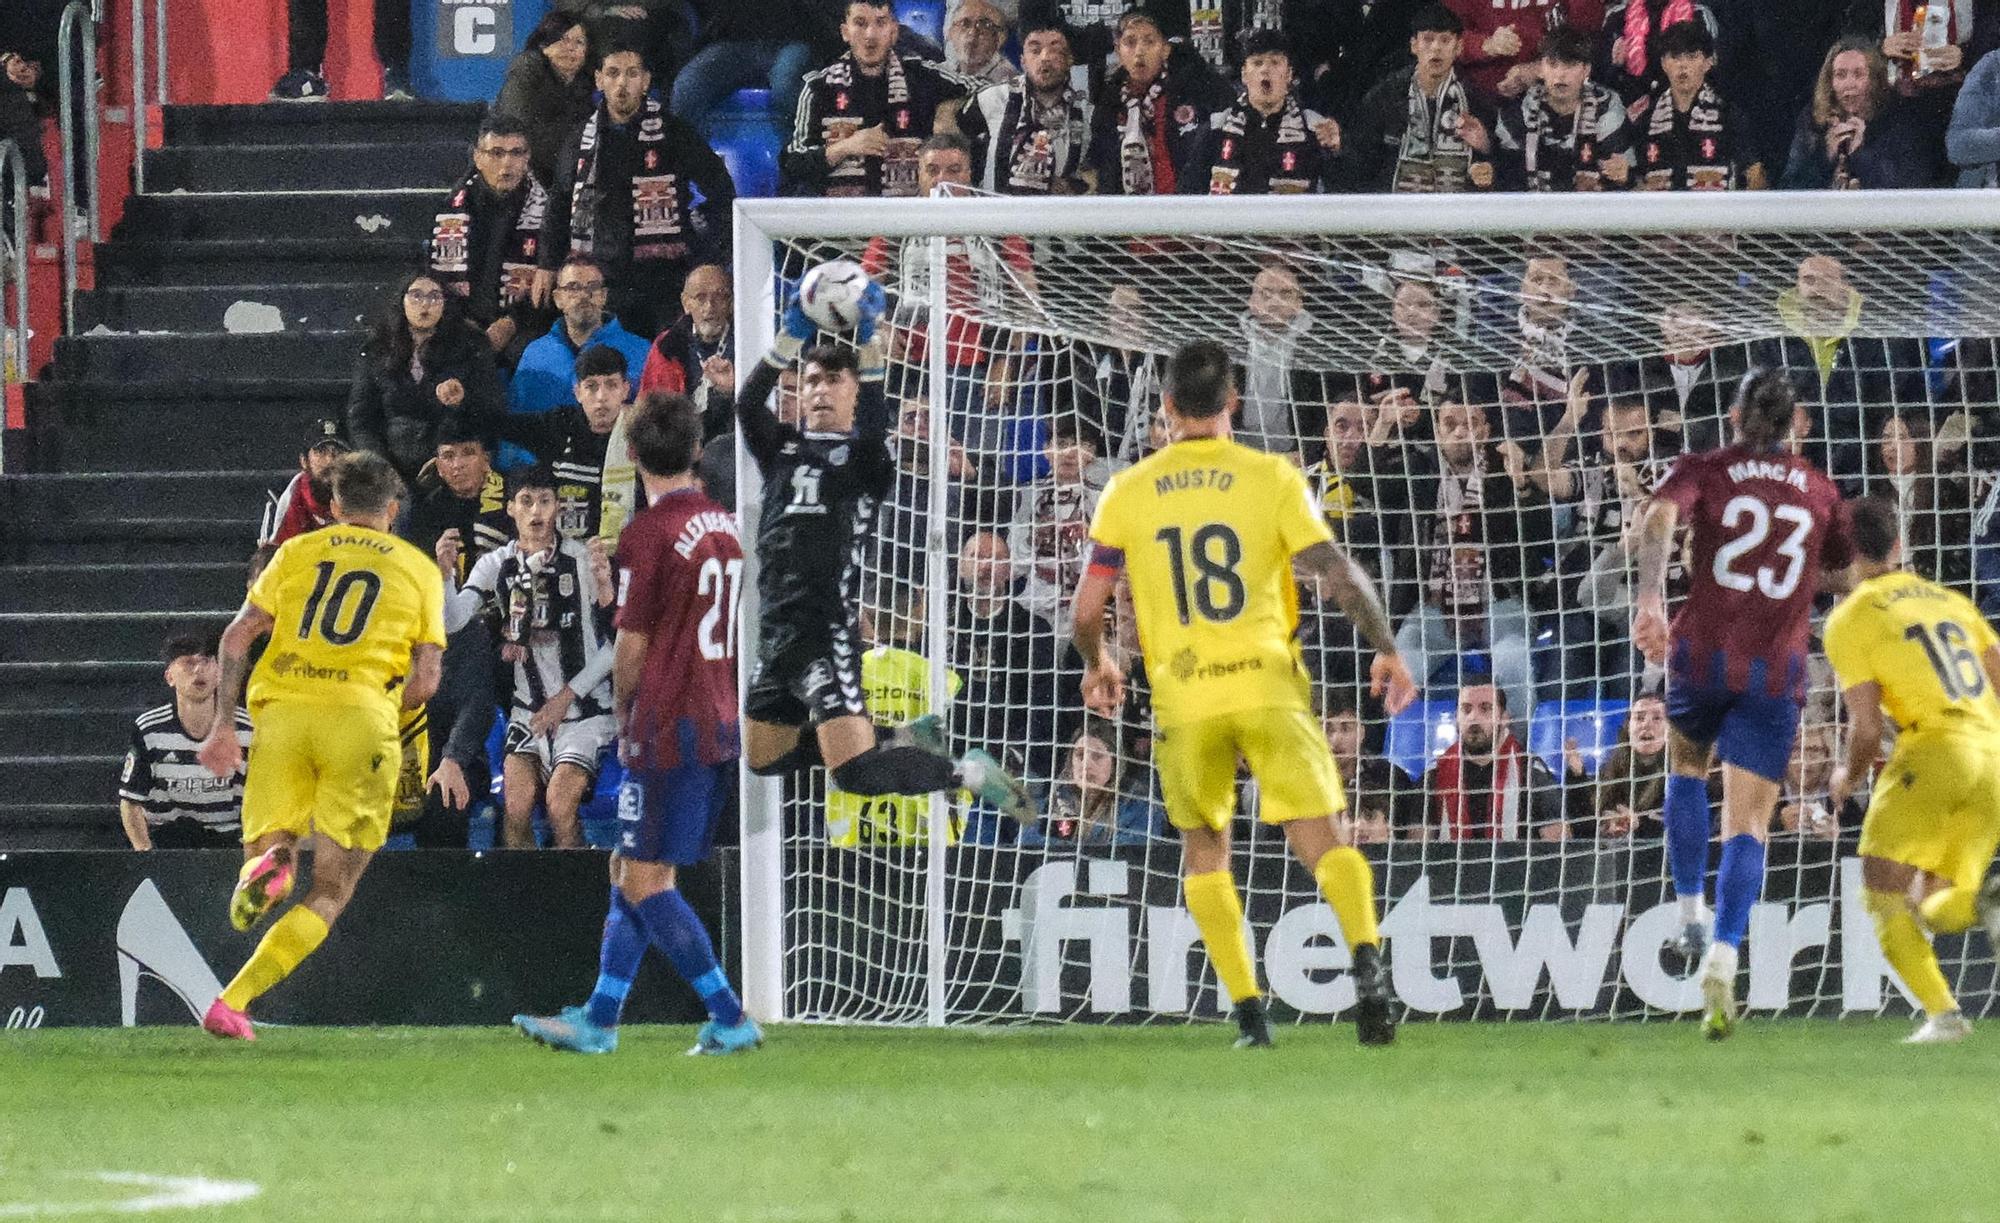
(1655, 549)
(1864, 741)
(1334, 573)
(221, 753)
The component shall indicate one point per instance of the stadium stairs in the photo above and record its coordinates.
(224, 318)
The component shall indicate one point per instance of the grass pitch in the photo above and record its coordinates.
(1533, 1122)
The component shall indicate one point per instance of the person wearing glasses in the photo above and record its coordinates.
(546, 376)
(974, 33)
(483, 240)
(422, 361)
(637, 190)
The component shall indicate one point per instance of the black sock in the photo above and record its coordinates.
(886, 769)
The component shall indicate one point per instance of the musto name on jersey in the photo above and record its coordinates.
(1193, 478)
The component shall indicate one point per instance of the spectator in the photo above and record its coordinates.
(974, 33)
(1973, 139)
(662, 31)
(306, 504)
(547, 89)
(1421, 129)
(1466, 530)
(1925, 63)
(1005, 653)
(1689, 384)
(167, 799)
(637, 190)
(1409, 367)
(1855, 380)
(1052, 521)
(1503, 42)
(1803, 805)
(1378, 795)
(1631, 789)
(1537, 387)
(755, 44)
(1086, 806)
(1768, 57)
(1566, 133)
(422, 361)
(546, 377)
(1486, 786)
(1693, 139)
(1631, 59)
(1093, 26)
(862, 117)
(696, 356)
(483, 243)
(23, 104)
(969, 494)
(1264, 143)
(1606, 488)
(571, 440)
(551, 594)
(303, 81)
(1856, 133)
(1151, 113)
(1283, 408)
(1029, 136)
(459, 494)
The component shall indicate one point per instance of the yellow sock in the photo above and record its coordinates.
(1908, 951)
(1348, 883)
(1218, 914)
(290, 939)
(1952, 910)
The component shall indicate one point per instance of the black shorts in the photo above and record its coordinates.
(807, 677)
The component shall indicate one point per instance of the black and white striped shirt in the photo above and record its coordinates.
(551, 600)
(162, 775)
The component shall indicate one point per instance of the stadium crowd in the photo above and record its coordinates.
(582, 261)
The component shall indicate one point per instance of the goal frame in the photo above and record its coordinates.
(760, 223)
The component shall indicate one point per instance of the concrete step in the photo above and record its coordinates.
(69, 732)
(272, 123)
(218, 354)
(44, 825)
(368, 261)
(84, 496)
(337, 306)
(185, 587)
(96, 684)
(130, 540)
(310, 166)
(117, 636)
(234, 215)
(63, 779)
(168, 425)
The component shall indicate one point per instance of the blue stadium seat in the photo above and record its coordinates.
(925, 17)
(743, 131)
(1593, 724)
(1419, 733)
(1454, 669)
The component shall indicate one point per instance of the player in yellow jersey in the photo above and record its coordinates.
(1923, 655)
(1210, 534)
(356, 618)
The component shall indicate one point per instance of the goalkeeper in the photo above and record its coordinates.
(1208, 532)
(822, 486)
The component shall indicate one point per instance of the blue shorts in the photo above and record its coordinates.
(668, 815)
(1750, 730)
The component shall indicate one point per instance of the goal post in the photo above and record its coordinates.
(864, 913)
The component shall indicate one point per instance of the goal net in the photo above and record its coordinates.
(1480, 402)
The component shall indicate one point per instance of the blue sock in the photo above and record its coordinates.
(617, 962)
(1686, 818)
(1738, 883)
(675, 929)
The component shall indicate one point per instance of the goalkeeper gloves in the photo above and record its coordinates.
(873, 304)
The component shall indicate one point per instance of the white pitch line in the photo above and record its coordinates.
(174, 1193)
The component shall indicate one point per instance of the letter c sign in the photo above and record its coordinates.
(472, 30)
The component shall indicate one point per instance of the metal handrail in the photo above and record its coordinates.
(15, 168)
(77, 15)
(140, 100)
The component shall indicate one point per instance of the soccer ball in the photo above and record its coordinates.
(831, 293)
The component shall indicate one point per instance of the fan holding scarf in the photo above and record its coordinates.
(1265, 143)
(1486, 786)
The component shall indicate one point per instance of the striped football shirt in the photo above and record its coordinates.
(162, 775)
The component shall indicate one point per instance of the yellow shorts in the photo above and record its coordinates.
(322, 768)
(1287, 754)
(1936, 806)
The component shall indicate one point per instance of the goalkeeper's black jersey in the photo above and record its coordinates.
(821, 492)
